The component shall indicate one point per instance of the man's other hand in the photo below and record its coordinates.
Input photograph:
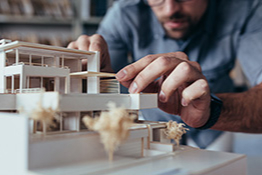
(93, 43)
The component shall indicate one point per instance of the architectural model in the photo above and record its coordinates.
(38, 78)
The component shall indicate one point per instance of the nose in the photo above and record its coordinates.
(170, 7)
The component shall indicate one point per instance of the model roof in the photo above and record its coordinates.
(41, 49)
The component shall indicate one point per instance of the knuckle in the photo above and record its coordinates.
(186, 95)
(174, 54)
(98, 37)
(204, 88)
(148, 58)
(164, 61)
(181, 55)
(196, 65)
(203, 83)
(83, 38)
(185, 67)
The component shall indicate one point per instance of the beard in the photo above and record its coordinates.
(179, 25)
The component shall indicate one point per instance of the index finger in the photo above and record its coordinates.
(131, 71)
(161, 66)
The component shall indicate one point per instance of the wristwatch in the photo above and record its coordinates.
(215, 110)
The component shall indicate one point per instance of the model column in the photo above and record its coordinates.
(93, 83)
(2, 77)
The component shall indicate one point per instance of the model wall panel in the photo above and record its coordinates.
(12, 70)
(92, 102)
(45, 71)
(61, 150)
(143, 101)
(14, 144)
(138, 133)
(76, 85)
(30, 101)
(146, 100)
(131, 148)
(7, 102)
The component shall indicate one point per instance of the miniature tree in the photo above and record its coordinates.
(113, 127)
(44, 115)
(175, 131)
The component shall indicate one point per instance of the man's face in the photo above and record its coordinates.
(180, 19)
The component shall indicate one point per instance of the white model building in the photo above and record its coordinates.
(28, 147)
(27, 68)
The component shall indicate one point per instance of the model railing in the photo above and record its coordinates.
(30, 90)
(8, 91)
(38, 64)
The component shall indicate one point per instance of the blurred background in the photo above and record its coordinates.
(57, 22)
(52, 22)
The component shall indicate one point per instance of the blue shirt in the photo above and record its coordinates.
(230, 29)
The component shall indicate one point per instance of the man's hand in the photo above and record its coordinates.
(93, 43)
(183, 89)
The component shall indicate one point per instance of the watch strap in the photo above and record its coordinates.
(215, 110)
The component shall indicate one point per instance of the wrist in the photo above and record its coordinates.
(215, 111)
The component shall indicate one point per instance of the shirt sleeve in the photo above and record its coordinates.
(250, 46)
(114, 31)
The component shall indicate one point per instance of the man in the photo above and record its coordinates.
(211, 32)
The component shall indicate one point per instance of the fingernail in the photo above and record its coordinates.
(183, 102)
(133, 88)
(162, 96)
(121, 74)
